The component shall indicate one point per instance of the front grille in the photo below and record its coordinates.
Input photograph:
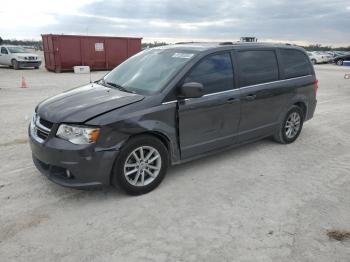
(41, 134)
(46, 123)
(31, 58)
(41, 128)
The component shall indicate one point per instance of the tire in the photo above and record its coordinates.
(36, 67)
(340, 62)
(140, 181)
(313, 61)
(285, 135)
(15, 64)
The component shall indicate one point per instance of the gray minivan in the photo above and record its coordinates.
(171, 104)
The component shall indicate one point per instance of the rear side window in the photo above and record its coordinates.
(256, 67)
(294, 63)
(214, 73)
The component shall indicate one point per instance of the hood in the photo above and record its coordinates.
(25, 54)
(83, 103)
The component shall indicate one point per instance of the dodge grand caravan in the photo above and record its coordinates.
(168, 105)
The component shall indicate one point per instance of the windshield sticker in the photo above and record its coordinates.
(183, 55)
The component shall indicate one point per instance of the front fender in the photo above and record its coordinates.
(120, 125)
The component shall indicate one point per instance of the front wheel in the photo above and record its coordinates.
(340, 62)
(291, 126)
(15, 64)
(141, 165)
(313, 61)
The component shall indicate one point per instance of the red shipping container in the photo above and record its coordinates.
(63, 52)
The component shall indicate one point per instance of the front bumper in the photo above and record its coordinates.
(88, 167)
(26, 63)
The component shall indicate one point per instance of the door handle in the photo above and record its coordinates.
(250, 97)
(231, 100)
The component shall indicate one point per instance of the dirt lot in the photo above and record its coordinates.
(259, 202)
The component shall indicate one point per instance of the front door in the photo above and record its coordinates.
(211, 121)
(4, 56)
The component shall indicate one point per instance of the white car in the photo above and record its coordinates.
(18, 57)
(319, 58)
(325, 56)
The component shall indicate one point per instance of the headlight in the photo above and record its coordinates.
(21, 57)
(78, 134)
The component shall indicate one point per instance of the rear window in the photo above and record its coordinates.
(256, 67)
(295, 63)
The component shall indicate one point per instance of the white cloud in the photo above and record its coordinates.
(36, 13)
(307, 21)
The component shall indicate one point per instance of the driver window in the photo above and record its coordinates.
(4, 50)
(214, 73)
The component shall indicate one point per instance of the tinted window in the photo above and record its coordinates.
(295, 63)
(3, 50)
(257, 67)
(214, 72)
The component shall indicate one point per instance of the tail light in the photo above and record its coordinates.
(315, 86)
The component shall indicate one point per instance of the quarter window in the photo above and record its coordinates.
(214, 73)
(256, 67)
(295, 63)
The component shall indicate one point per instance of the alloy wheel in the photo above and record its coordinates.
(142, 166)
(292, 125)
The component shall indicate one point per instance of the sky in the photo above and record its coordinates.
(292, 21)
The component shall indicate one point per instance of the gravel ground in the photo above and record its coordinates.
(260, 202)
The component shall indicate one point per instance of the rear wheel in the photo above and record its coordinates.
(291, 126)
(141, 165)
(15, 64)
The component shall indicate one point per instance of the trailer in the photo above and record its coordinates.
(63, 52)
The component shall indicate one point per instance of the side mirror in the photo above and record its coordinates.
(191, 90)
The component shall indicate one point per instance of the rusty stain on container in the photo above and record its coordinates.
(63, 52)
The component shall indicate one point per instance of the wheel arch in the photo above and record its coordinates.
(299, 101)
(302, 105)
(163, 138)
(12, 61)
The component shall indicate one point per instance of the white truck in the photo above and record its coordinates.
(18, 57)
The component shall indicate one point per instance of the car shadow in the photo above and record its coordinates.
(20, 69)
(215, 157)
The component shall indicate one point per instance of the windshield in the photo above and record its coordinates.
(148, 71)
(16, 49)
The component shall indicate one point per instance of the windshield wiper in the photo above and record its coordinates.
(121, 88)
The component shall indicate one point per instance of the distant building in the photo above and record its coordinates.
(249, 39)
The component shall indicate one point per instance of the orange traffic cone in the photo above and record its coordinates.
(24, 83)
